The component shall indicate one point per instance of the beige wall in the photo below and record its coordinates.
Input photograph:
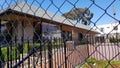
(105, 51)
(18, 31)
(75, 36)
(76, 31)
(28, 31)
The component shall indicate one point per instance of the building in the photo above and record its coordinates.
(34, 23)
(108, 31)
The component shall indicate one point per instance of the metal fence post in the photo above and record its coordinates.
(28, 51)
(11, 33)
(0, 47)
(50, 54)
(65, 53)
(64, 41)
(22, 40)
(40, 35)
(33, 46)
(16, 50)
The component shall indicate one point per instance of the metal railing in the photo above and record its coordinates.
(33, 37)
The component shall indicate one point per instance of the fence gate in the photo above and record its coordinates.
(59, 34)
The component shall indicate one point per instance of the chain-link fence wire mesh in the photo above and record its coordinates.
(53, 34)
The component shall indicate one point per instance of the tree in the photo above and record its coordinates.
(79, 14)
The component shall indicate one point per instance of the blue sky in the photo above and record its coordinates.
(61, 6)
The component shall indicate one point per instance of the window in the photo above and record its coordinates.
(102, 29)
(67, 35)
(51, 31)
(80, 36)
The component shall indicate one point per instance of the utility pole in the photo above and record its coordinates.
(114, 13)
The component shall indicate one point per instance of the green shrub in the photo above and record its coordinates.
(94, 63)
(20, 48)
(15, 52)
(115, 62)
(114, 40)
(91, 60)
(44, 47)
(29, 47)
(1, 57)
(6, 56)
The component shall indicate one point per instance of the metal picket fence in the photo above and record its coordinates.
(59, 34)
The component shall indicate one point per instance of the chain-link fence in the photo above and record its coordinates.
(59, 34)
